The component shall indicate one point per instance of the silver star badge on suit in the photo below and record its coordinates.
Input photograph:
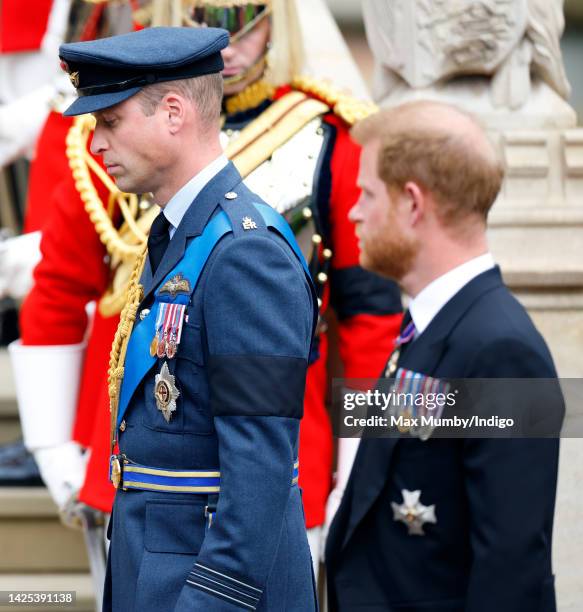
(165, 392)
(413, 513)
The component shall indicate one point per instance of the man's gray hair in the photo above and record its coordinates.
(205, 91)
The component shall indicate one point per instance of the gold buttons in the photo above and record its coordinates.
(122, 426)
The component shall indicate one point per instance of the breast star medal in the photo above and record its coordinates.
(413, 513)
(165, 392)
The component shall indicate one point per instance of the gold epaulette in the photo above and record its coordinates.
(348, 108)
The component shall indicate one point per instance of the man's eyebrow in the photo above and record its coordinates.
(104, 115)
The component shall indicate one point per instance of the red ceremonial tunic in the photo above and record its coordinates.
(367, 326)
(23, 24)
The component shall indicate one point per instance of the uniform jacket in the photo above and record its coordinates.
(240, 369)
(75, 270)
(490, 548)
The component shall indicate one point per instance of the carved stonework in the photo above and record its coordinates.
(425, 42)
(439, 39)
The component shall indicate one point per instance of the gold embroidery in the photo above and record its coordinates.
(348, 108)
(251, 97)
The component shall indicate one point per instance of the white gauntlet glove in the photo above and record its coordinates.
(18, 258)
(62, 469)
(21, 121)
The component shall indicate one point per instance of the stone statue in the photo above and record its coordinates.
(422, 43)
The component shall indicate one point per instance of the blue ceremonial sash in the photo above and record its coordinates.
(138, 356)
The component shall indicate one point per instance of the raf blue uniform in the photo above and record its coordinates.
(489, 548)
(234, 537)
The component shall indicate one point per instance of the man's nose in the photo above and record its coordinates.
(354, 213)
(98, 142)
(227, 53)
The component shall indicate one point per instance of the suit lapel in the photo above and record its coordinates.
(146, 278)
(424, 353)
(192, 224)
(374, 454)
(367, 480)
(372, 464)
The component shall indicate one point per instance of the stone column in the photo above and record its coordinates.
(501, 61)
(327, 56)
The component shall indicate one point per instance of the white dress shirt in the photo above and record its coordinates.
(183, 198)
(425, 306)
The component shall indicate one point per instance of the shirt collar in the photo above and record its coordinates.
(425, 306)
(183, 198)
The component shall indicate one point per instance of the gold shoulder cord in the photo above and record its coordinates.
(349, 109)
(119, 347)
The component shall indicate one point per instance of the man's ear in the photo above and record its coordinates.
(415, 201)
(174, 108)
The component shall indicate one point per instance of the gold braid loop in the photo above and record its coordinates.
(119, 347)
(80, 162)
(349, 109)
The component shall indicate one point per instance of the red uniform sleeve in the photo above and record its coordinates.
(344, 193)
(71, 273)
(22, 26)
(368, 306)
(48, 168)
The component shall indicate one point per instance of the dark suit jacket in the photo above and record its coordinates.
(490, 549)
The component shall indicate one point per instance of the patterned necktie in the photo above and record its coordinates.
(406, 334)
(158, 241)
(407, 331)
